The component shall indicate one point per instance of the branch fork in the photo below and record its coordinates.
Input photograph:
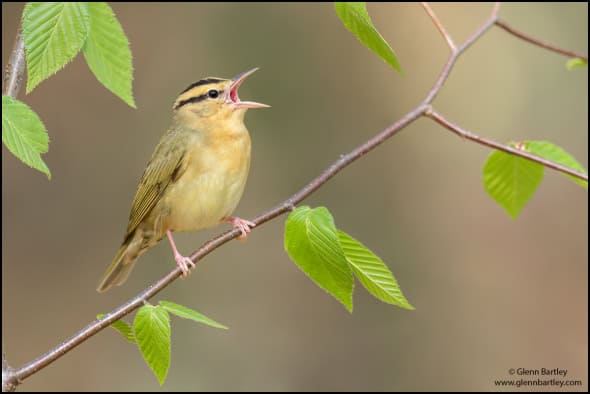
(12, 377)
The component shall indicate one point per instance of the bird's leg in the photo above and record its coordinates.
(182, 261)
(243, 224)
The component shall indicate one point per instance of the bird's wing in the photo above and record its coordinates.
(166, 165)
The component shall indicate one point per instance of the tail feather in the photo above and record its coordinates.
(117, 272)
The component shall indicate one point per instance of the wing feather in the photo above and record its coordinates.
(166, 165)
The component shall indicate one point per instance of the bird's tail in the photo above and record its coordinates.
(117, 272)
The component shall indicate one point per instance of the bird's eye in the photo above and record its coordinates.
(213, 93)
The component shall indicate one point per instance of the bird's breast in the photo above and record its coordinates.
(212, 184)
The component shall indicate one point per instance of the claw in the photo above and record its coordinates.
(184, 263)
(243, 224)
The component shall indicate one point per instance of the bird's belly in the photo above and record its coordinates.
(203, 200)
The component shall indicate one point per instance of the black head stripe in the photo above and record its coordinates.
(202, 82)
(195, 99)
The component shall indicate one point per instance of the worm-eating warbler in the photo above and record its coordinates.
(195, 177)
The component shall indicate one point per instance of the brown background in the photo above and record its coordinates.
(490, 293)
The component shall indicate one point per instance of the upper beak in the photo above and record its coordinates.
(233, 97)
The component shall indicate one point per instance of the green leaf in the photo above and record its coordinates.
(152, 332)
(53, 34)
(552, 152)
(356, 19)
(511, 180)
(107, 52)
(372, 272)
(122, 327)
(188, 313)
(24, 134)
(312, 243)
(576, 63)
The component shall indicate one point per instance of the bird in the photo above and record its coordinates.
(195, 176)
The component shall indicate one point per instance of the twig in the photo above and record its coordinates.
(13, 74)
(444, 75)
(15, 68)
(537, 42)
(504, 148)
(8, 379)
(439, 26)
(423, 109)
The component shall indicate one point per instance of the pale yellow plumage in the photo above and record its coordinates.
(196, 175)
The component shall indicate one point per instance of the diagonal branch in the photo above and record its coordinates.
(539, 43)
(504, 148)
(439, 26)
(423, 109)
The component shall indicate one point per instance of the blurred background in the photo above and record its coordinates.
(490, 293)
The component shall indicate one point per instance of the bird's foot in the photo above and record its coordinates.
(243, 224)
(181, 261)
(184, 263)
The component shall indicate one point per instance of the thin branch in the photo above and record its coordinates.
(13, 74)
(537, 42)
(439, 26)
(496, 9)
(15, 68)
(8, 378)
(423, 109)
(91, 329)
(438, 118)
(446, 71)
(484, 28)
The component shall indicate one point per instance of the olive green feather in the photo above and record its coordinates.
(165, 166)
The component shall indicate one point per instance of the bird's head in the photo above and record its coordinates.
(214, 99)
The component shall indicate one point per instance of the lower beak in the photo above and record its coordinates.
(233, 98)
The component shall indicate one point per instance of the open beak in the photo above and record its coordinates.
(234, 99)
